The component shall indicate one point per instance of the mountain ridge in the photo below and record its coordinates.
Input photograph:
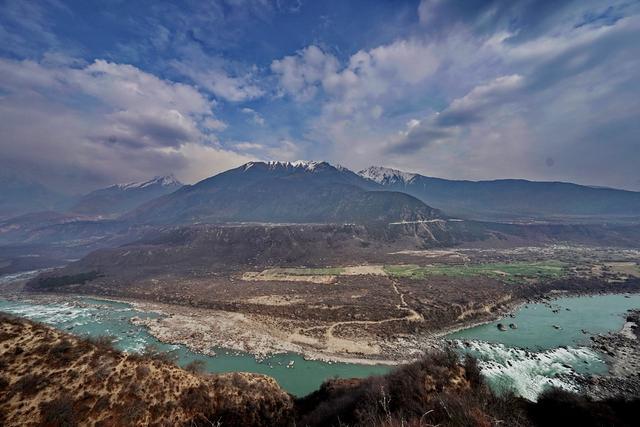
(298, 192)
(120, 198)
(509, 198)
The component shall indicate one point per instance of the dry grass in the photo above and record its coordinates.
(54, 379)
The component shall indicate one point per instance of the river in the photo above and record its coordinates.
(550, 342)
(526, 360)
(91, 317)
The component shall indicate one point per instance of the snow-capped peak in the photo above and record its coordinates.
(308, 165)
(163, 181)
(383, 175)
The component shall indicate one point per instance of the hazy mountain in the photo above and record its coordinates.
(20, 195)
(509, 198)
(121, 198)
(282, 192)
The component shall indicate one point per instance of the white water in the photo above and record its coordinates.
(528, 373)
(538, 355)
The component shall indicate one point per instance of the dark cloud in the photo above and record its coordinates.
(420, 138)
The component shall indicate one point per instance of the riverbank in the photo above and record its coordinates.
(241, 343)
(621, 350)
(201, 330)
(204, 330)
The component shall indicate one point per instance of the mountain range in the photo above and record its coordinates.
(508, 199)
(297, 192)
(318, 192)
(260, 207)
(20, 195)
(121, 198)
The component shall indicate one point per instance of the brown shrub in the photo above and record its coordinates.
(29, 385)
(196, 367)
(4, 383)
(58, 412)
(127, 413)
(560, 407)
(472, 371)
(151, 352)
(142, 371)
(436, 390)
(62, 352)
(196, 400)
(102, 342)
(102, 404)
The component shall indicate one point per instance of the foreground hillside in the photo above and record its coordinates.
(50, 378)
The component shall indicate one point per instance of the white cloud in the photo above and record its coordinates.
(255, 116)
(301, 74)
(230, 88)
(222, 78)
(105, 122)
(205, 161)
(477, 102)
(368, 74)
(282, 150)
(285, 150)
(214, 124)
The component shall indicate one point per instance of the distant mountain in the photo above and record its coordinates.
(121, 198)
(20, 195)
(298, 192)
(509, 198)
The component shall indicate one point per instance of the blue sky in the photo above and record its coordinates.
(97, 92)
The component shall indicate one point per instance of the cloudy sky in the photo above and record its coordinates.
(97, 92)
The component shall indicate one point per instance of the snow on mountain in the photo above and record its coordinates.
(308, 165)
(161, 181)
(386, 176)
(120, 198)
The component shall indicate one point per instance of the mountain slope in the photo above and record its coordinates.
(20, 195)
(121, 198)
(299, 192)
(508, 198)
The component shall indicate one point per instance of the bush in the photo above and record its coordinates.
(142, 371)
(560, 407)
(436, 390)
(151, 352)
(196, 367)
(29, 385)
(472, 371)
(62, 352)
(58, 412)
(102, 342)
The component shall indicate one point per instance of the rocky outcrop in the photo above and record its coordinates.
(621, 350)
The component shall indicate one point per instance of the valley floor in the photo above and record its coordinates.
(390, 312)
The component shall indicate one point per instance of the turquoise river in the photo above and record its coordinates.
(526, 359)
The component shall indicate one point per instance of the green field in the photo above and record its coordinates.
(329, 271)
(509, 272)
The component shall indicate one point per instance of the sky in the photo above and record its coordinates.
(99, 92)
